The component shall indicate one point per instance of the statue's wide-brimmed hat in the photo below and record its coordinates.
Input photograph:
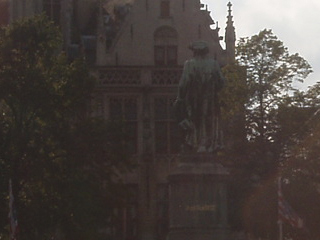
(199, 45)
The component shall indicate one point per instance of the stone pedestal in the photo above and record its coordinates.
(198, 199)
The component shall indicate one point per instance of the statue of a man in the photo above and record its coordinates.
(197, 104)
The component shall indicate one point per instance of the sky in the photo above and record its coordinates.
(295, 22)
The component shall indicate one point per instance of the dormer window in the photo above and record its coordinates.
(165, 8)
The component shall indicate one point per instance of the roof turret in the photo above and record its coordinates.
(230, 36)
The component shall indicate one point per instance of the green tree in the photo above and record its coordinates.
(53, 151)
(297, 136)
(271, 74)
(300, 160)
(233, 99)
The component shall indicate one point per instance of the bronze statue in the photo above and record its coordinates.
(197, 104)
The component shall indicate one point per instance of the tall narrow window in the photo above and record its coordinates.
(165, 49)
(167, 136)
(123, 222)
(126, 110)
(97, 105)
(172, 55)
(160, 55)
(52, 8)
(199, 31)
(165, 8)
(131, 31)
(162, 211)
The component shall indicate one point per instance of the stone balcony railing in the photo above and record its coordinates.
(113, 77)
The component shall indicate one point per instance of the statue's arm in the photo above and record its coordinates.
(180, 107)
(182, 88)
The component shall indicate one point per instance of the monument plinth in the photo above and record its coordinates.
(198, 199)
(197, 187)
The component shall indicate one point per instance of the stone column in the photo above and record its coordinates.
(148, 181)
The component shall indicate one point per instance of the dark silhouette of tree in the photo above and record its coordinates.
(64, 165)
(271, 73)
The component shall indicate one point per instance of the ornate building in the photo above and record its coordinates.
(137, 50)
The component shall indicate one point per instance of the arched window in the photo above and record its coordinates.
(165, 46)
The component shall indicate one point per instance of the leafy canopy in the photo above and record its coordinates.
(271, 72)
(51, 149)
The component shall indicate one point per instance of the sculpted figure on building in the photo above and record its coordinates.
(197, 105)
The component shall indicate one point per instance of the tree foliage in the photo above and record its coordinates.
(64, 165)
(300, 162)
(271, 72)
(233, 99)
(274, 120)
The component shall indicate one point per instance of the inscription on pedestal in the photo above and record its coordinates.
(201, 208)
(197, 195)
(194, 204)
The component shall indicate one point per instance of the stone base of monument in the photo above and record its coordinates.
(198, 199)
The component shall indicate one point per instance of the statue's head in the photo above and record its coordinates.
(199, 48)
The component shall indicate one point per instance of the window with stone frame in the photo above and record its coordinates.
(123, 223)
(160, 55)
(165, 8)
(126, 109)
(172, 55)
(52, 9)
(166, 55)
(97, 105)
(165, 46)
(167, 137)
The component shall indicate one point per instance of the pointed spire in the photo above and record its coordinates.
(230, 36)
(229, 6)
(229, 18)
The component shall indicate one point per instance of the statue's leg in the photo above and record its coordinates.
(203, 134)
(213, 130)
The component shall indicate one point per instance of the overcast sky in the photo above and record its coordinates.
(295, 22)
